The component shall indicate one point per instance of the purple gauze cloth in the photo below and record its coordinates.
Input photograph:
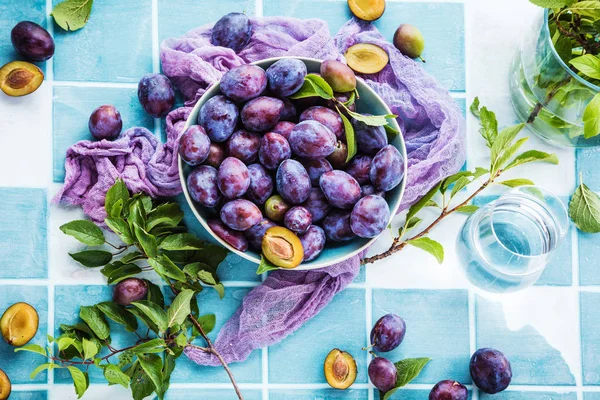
(430, 120)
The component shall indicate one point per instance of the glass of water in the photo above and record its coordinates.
(505, 245)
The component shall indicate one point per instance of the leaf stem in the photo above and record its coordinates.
(398, 244)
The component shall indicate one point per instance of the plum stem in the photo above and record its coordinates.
(398, 244)
(422, 59)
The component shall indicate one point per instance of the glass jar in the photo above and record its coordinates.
(544, 87)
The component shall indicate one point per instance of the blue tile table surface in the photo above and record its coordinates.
(550, 332)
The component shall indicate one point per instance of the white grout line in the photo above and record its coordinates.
(472, 334)
(576, 287)
(107, 85)
(458, 94)
(369, 324)
(156, 59)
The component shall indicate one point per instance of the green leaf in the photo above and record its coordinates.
(589, 8)
(117, 209)
(551, 3)
(488, 126)
(118, 192)
(212, 255)
(415, 208)
(371, 120)
(92, 258)
(504, 139)
(168, 214)
(141, 384)
(41, 368)
(507, 154)
(181, 241)
(89, 349)
(147, 241)
(155, 313)
(350, 137)
(155, 294)
(122, 272)
(164, 266)
(65, 342)
(153, 327)
(467, 209)
(81, 327)
(564, 48)
(220, 290)
(152, 365)
(459, 185)
(412, 223)
(587, 64)
(390, 130)
(92, 316)
(125, 358)
(516, 182)
(429, 245)
(34, 348)
(591, 118)
(152, 346)
(320, 86)
(180, 308)
(474, 108)
(80, 380)
(479, 172)
(118, 314)
(137, 214)
(447, 182)
(532, 156)
(207, 322)
(121, 228)
(207, 277)
(115, 376)
(72, 15)
(85, 231)
(130, 257)
(193, 269)
(265, 266)
(406, 370)
(584, 209)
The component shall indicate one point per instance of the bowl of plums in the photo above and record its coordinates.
(293, 162)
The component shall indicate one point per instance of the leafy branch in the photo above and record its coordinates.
(153, 239)
(503, 146)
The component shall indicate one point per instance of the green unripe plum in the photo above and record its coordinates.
(339, 76)
(409, 40)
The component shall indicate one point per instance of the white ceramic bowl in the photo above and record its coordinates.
(333, 253)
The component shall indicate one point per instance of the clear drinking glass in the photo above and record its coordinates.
(505, 245)
(541, 81)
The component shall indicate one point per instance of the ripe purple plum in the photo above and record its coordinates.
(243, 145)
(105, 123)
(261, 184)
(449, 390)
(240, 214)
(156, 94)
(490, 370)
(327, 117)
(233, 178)
(316, 168)
(340, 189)
(244, 83)
(339, 155)
(337, 226)
(339, 76)
(286, 76)
(313, 242)
(284, 128)
(343, 98)
(369, 139)
(274, 149)
(129, 290)
(257, 232)
(293, 183)
(216, 155)
(359, 168)
(387, 333)
(233, 31)
(317, 204)
(370, 216)
(311, 139)
(219, 117)
(367, 190)
(194, 145)
(297, 219)
(289, 110)
(202, 186)
(383, 374)
(261, 113)
(235, 239)
(276, 207)
(32, 41)
(387, 168)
